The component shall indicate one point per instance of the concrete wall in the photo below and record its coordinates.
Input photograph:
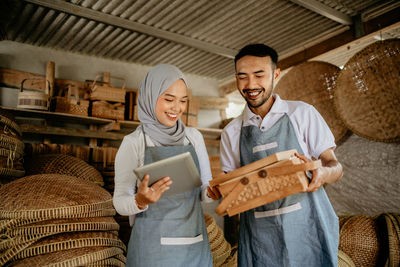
(74, 66)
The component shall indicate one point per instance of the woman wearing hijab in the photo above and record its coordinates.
(167, 231)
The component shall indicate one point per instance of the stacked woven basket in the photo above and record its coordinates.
(221, 250)
(11, 149)
(58, 220)
(370, 241)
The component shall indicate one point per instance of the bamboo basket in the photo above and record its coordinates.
(261, 182)
(33, 100)
(102, 109)
(106, 92)
(71, 102)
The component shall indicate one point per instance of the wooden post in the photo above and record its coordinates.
(50, 69)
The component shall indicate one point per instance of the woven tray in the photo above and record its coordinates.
(51, 196)
(73, 257)
(359, 240)
(62, 164)
(313, 83)
(367, 93)
(67, 241)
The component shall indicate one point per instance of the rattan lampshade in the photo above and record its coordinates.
(62, 164)
(359, 240)
(313, 83)
(367, 93)
(72, 257)
(52, 196)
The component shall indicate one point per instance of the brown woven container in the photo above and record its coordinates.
(62, 164)
(14, 144)
(108, 262)
(8, 119)
(66, 241)
(393, 239)
(72, 257)
(359, 240)
(51, 196)
(367, 93)
(313, 83)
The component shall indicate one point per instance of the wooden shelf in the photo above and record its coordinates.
(100, 133)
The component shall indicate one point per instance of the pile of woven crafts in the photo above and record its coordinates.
(369, 241)
(222, 253)
(58, 220)
(11, 149)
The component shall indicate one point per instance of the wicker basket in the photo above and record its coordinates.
(62, 164)
(52, 196)
(33, 100)
(8, 120)
(71, 103)
(102, 109)
(106, 92)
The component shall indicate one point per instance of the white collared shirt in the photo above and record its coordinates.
(313, 134)
(130, 155)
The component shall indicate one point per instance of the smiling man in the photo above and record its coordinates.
(302, 229)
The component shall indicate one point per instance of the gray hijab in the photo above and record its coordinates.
(156, 82)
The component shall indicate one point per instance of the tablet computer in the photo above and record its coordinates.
(180, 168)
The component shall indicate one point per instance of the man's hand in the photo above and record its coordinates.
(148, 195)
(330, 171)
(213, 193)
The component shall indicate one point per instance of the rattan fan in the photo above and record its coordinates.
(51, 196)
(359, 240)
(66, 241)
(367, 93)
(313, 83)
(63, 164)
(72, 257)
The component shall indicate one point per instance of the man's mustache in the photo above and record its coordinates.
(248, 90)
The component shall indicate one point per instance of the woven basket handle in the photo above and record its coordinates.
(47, 89)
(94, 82)
(72, 90)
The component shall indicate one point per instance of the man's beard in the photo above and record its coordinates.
(264, 99)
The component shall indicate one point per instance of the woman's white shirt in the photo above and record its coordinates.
(130, 155)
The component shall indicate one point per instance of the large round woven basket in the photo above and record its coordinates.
(52, 196)
(62, 164)
(359, 240)
(313, 83)
(72, 257)
(367, 93)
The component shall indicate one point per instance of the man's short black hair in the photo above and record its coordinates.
(258, 50)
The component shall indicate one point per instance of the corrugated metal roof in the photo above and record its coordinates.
(199, 36)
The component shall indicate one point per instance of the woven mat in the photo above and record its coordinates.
(72, 257)
(367, 93)
(66, 241)
(313, 83)
(359, 240)
(50, 196)
(62, 164)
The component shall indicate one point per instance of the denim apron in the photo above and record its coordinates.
(172, 231)
(299, 230)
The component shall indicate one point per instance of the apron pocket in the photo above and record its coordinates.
(284, 210)
(181, 240)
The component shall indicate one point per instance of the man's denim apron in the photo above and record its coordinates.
(299, 230)
(172, 231)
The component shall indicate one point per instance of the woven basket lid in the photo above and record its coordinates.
(8, 119)
(72, 257)
(50, 196)
(359, 240)
(367, 93)
(313, 83)
(13, 144)
(66, 241)
(344, 260)
(63, 164)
